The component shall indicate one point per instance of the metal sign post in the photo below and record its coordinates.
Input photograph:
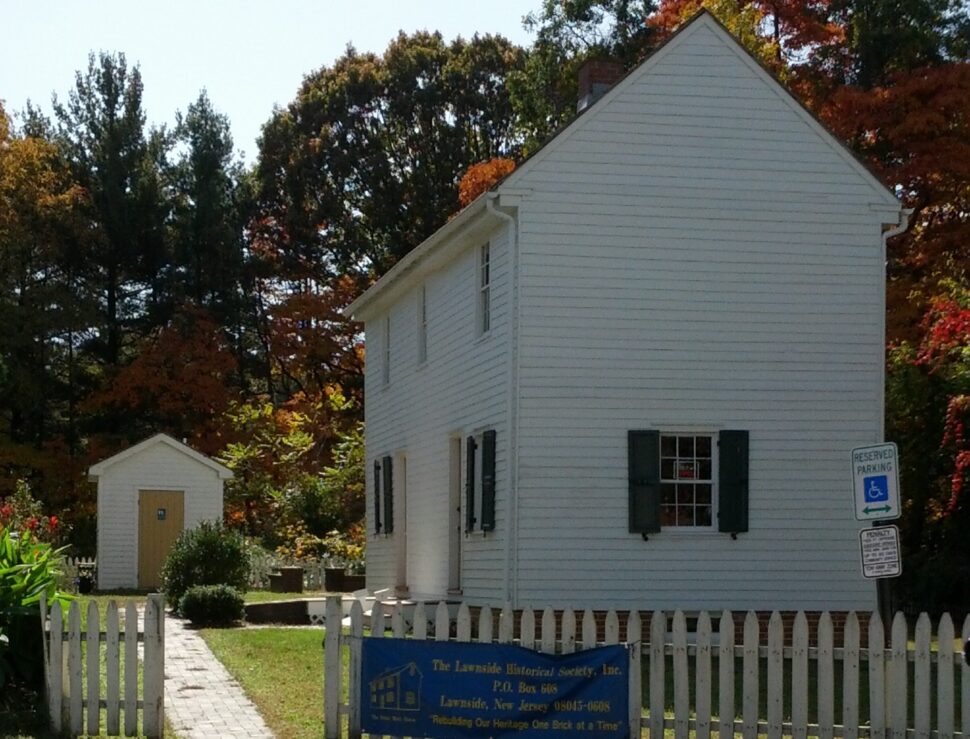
(875, 494)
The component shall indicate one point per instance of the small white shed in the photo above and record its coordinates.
(147, 495)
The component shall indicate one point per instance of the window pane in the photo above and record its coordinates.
(667, 469)
(703, 494)
(685, 494)
(704, 469)
(685, 446)
(668, 515)
(668, 494)
(668, 446)
(703, 446)
(703, 516)
(685, 515)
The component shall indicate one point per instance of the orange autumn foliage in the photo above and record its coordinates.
(179, 382)
(916, 134)
(480, 177)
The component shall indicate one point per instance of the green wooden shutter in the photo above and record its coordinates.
(644, 472)
(470, 447)
(377, 496)
(732, 482)
(488, 480)
(388, 469)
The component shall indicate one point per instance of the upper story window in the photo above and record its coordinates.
(423, 324)
(386, 356)
(484, 290)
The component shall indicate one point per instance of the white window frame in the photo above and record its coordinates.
(674, 479)
(483, 314)
(386, 350)
(423, 324)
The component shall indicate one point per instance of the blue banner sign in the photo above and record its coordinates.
(453, 690)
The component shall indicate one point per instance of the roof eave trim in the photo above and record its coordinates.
(465, 217)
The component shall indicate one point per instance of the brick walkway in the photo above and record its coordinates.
(202, 701)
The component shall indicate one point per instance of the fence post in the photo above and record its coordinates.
(850, 677)
(93, 698)
(153, 718)
(921, 678)
(658, 635)
(634, 637)
(113, 680)
(331, 661)
(55, 696)
(356, 648)
(725, 670)
(131, 669)
(877, 677)
(74, 668)
(944, 678)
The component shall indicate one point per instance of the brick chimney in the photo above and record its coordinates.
(596, 76)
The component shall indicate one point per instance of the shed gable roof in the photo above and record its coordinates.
(97, 470)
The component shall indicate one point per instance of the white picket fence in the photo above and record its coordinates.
(896, 675)
(70, 567)
(74, 681)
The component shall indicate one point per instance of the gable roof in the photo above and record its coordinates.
(97, 470)
(884, 201)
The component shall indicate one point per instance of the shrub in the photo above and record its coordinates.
(206, 555)
(28, 569)
(211, 605)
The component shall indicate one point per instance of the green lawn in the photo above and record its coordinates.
(281, 671)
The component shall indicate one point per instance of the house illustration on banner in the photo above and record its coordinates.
(397, 689)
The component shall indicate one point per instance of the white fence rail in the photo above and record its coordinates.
(797, 682)
(74, 673)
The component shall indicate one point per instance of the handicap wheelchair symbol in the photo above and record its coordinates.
(876, 489)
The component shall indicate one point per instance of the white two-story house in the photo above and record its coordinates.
(631, 374)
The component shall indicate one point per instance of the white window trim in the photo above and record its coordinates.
(715, 458)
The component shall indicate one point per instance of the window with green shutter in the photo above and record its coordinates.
(387, 468)
(681, 480)
(377, 497)
(732, 515)
(488, 480)
(644, 478)
(470, 448)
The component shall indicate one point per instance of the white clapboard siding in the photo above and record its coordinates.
(655, 293)
(460, 390)
(689, 654)
(77, 701)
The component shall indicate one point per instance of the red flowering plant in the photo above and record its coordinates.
(945, 351)
(29, 570)
(22, 514)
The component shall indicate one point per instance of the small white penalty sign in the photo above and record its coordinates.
(880, 552)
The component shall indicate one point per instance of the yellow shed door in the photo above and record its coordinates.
(161, 514)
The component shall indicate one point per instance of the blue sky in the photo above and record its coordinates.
(249, 55)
